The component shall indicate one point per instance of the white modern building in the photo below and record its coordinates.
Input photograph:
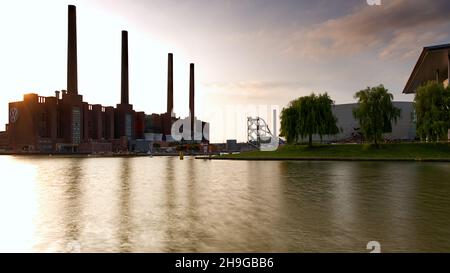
(404, 129)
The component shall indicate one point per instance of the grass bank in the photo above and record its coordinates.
(403, 151)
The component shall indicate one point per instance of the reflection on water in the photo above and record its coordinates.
(163, 204)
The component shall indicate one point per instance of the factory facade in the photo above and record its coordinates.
(66, 123)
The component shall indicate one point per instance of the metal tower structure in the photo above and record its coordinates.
(258, 132)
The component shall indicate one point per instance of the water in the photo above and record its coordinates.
(163, 204)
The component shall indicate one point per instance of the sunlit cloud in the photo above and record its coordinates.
(397, 28)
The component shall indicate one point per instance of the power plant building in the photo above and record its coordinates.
(66, 123)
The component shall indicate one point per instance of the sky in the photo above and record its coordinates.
(250, 55)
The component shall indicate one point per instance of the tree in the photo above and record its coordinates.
(307, 116)
(289, 117)
(432, 107)
(375, 112)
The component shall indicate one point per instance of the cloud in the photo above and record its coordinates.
(396, 29)
(406, 44)
(275, 92)
(256, 85)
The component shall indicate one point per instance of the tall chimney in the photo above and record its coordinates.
(170, 84)
(124, 78)
(191, 98)
(274, 123)
(72, 77)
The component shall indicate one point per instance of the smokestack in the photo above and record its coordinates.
(124, 79)
(72, 77)
(170, 84)
(274, 123)
(191, 98)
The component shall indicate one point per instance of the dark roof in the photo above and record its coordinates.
(432, 59)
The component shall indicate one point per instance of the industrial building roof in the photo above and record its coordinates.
(432, 60)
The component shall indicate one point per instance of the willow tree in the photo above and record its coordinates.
(307, 116)
(289, 116)
(375, 112)
(432, 107)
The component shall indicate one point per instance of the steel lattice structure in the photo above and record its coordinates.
(257, 131)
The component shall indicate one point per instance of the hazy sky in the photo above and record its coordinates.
(246, 52)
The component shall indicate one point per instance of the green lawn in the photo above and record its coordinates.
(404, 151)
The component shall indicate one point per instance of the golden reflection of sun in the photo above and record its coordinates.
(18, 204)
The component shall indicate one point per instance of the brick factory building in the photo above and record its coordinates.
(65, 123)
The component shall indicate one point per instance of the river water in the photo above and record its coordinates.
(163, 204)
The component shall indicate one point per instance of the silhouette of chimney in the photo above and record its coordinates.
(72, 77)
(191, 98)
(170, 84)
(124, 78)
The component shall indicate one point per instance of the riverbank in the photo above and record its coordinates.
(439, 152)
(88, 155)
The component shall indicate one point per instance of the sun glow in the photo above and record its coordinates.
(18, 205)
